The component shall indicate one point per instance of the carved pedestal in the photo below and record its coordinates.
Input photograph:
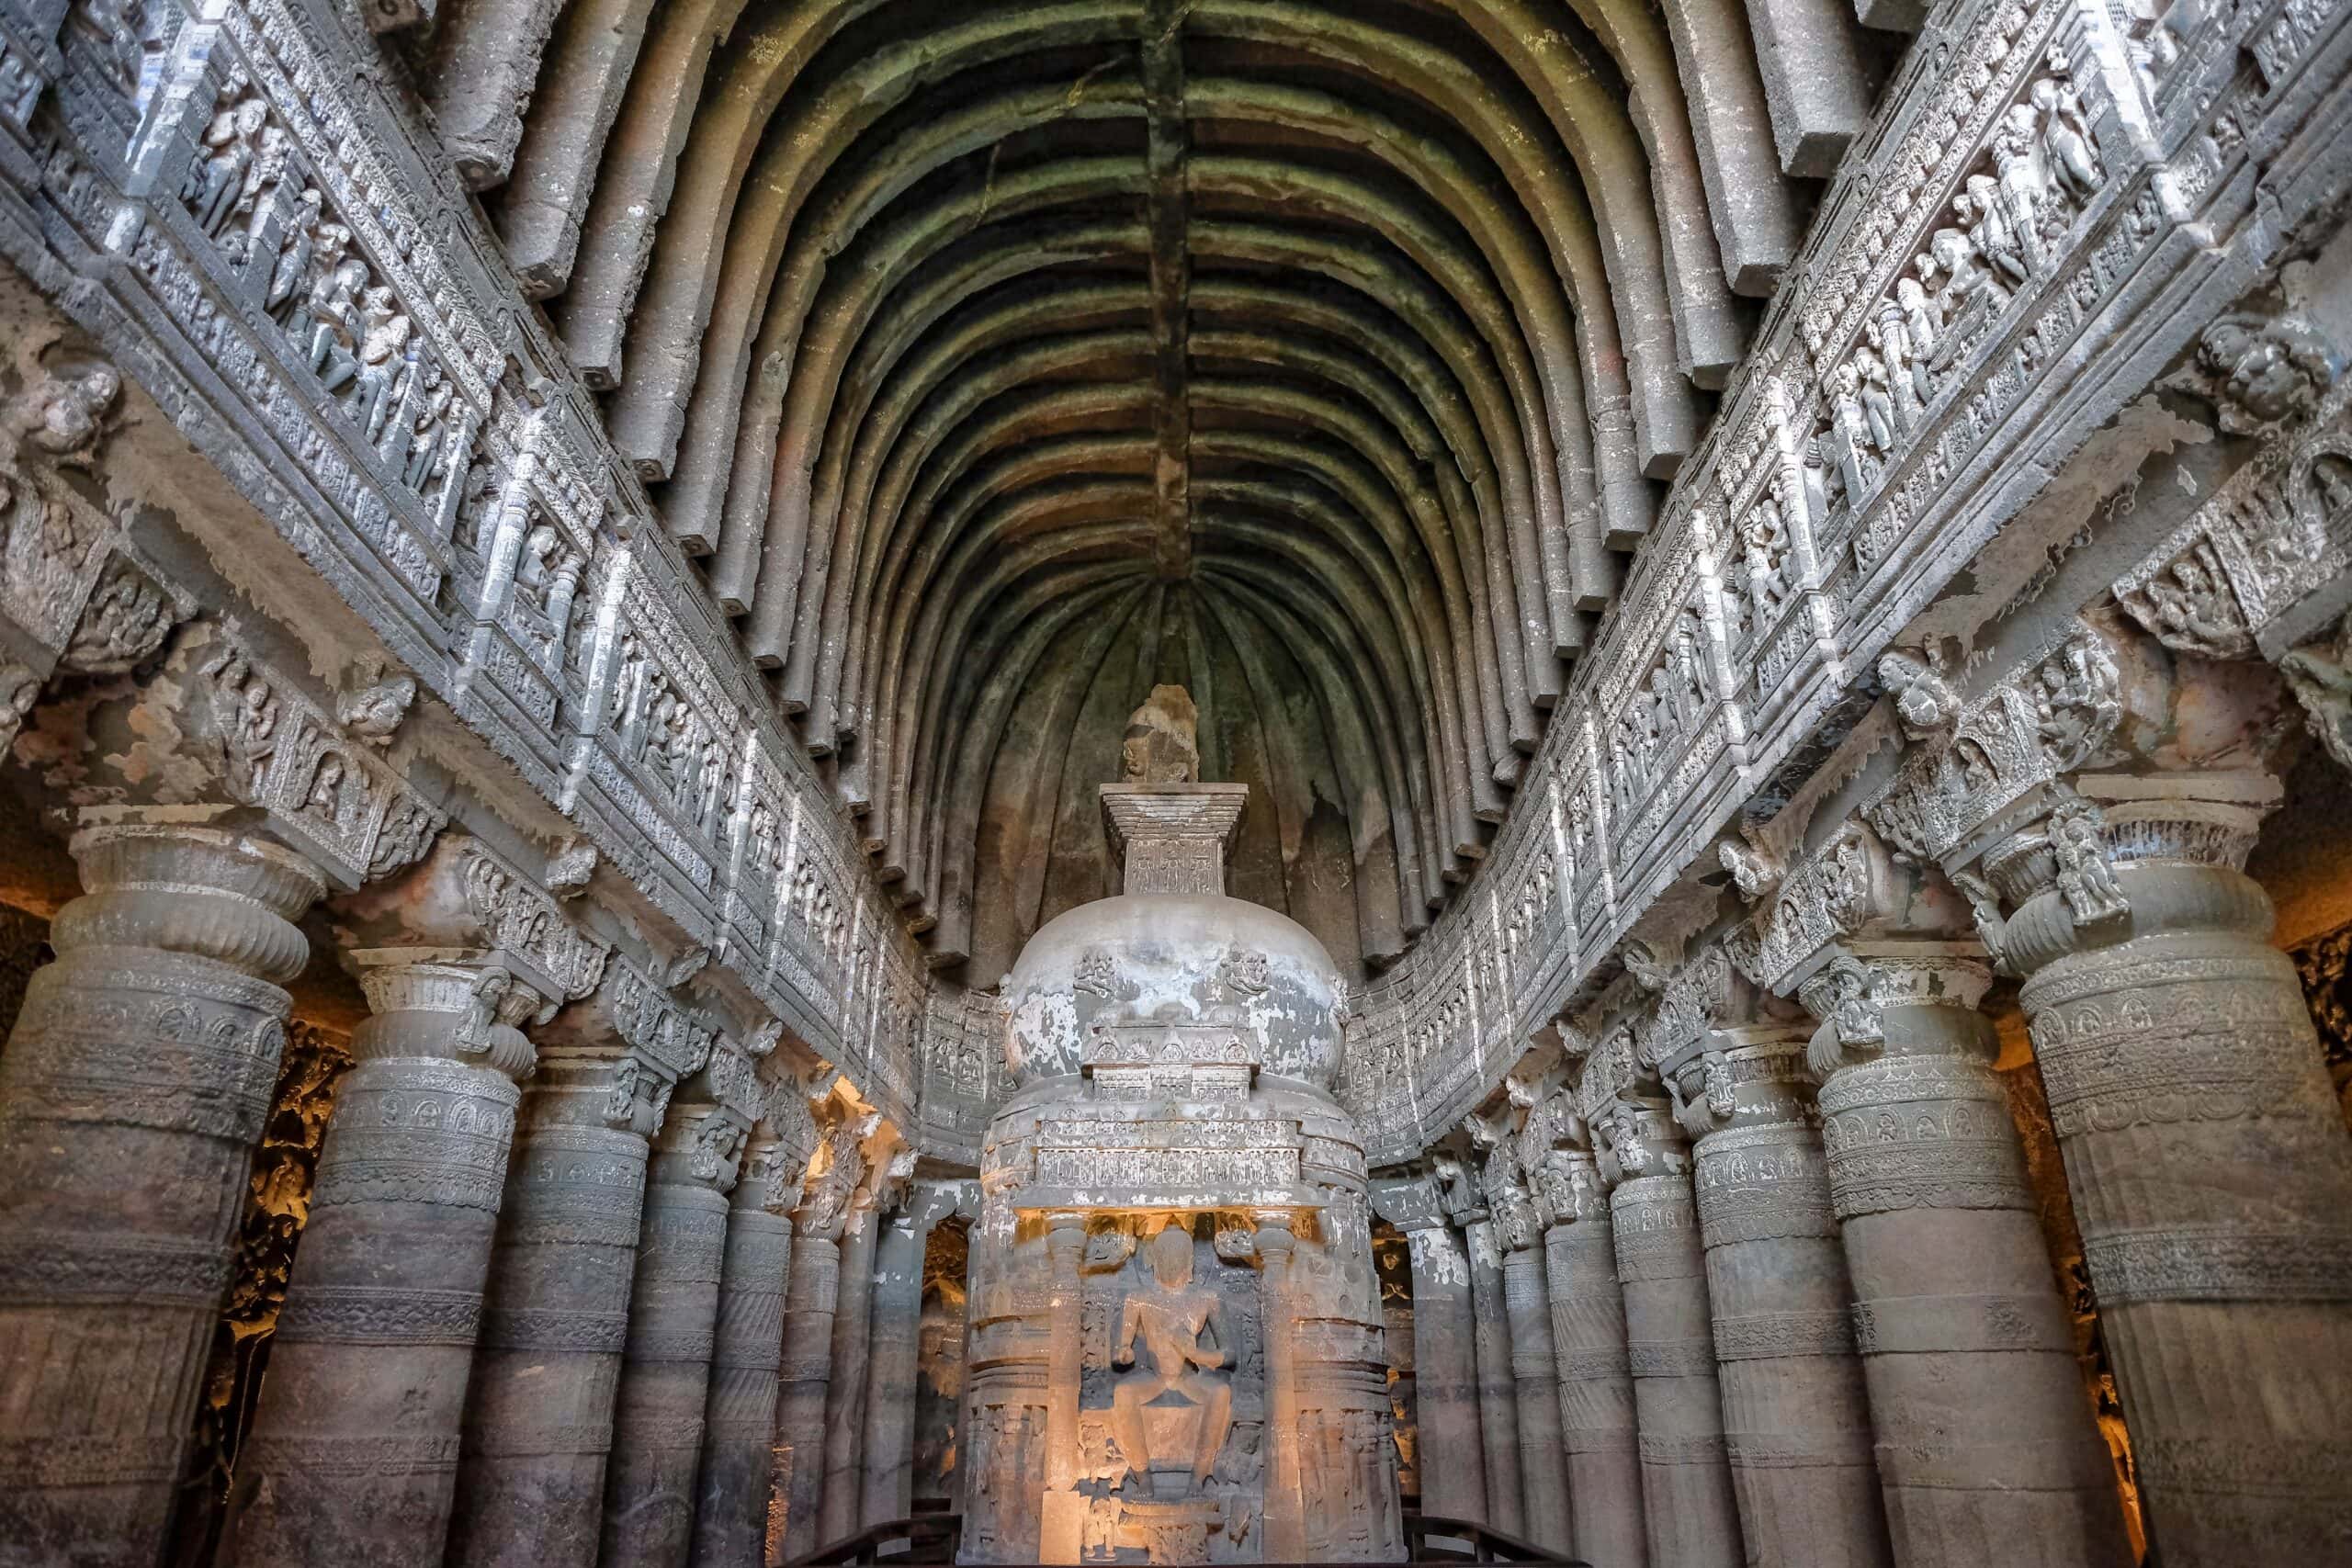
(539, 1413)
(1535, 1368)
(666, 1371)
(1597, 1424)
(2212, 1181)
(837, 1509)
(1497, 1383)
(1686, 1483)
(798, 1465)
(131, 1092)
(1984, 1435)
(1796, 1420)
(1451, 1454)
(354, 1456)
(747, 1349)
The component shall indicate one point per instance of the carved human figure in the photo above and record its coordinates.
(1890, 334)
(1179, 1325)
(2020, 187)
(1878, 402)
(1981, 207)
(2264, 370)
(1161, 744)
(1919, 333)
(1955, 252)
(1848, 427)
(216, 179)
(289, 277)
(382, 366)
(66, 412)
(2066, 148)
(332, 307)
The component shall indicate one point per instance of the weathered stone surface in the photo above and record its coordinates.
(2203, 1146)
(556, 1312)
(973, 379)
(1670, 1341)
(131, 1094)
(1982, 1425)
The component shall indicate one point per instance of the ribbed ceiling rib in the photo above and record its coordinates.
(1001, 359)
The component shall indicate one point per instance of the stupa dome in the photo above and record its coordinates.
(1182, 958)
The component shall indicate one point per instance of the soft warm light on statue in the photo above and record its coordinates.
(1176, 1341)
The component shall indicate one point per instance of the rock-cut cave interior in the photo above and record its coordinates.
(1175, 781)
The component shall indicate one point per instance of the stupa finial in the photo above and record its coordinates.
(1162, 745)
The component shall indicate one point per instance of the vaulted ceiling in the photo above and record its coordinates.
(999, 360)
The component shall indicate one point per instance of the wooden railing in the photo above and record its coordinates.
(933, 1538)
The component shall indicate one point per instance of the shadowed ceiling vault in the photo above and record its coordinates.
(999, 360)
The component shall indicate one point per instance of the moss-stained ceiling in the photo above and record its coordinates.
(1000, 359)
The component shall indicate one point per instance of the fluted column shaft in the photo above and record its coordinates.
(666, 1371)
(1796, 1419)
(746, 1353)
(1692, 1519)
(133, 1088)
(2212, 1181)
(1452, 1454)
(1985, 1442)
(1497, 1384)
(1535, 1372)
(797, 1464)
(846, 1395)
(539, 1412)
(1597, 1420)
(353, 1455)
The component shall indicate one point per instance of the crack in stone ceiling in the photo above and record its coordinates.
(999, 360)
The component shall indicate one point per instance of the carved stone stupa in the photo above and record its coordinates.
(1176, 1350)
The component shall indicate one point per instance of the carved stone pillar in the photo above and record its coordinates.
(131, 1092)
(747, 1350)
(1536, 1401)
(1451, 1453)
(846, 1395)
(888, 1488)
(1063, 1511)
(666, 1371)
(1984, 1432)
(353, 1455)
(539, 1411)
(798, 1469)
(1536, 1368)
(2209, 1168)
(1693, 1521)
(1284, 1517)
(1498, 1382)
(798, 1463)
(1796, 1419)
(1597, 1422)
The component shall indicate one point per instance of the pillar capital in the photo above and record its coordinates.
(462, 1005)
(1408, 1202)
(836, 1174)
(184, 880)
(701, 1146)
(1745, 1080)
(1857, 982)
(1640, 1138)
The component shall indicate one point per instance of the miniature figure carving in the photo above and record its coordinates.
(1178, 1324)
